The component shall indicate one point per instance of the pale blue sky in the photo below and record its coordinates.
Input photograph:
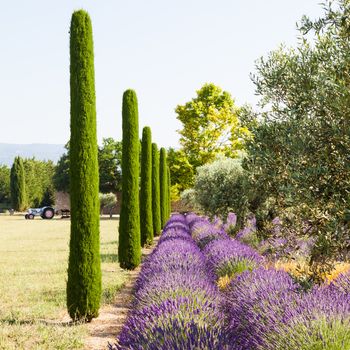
(165, 50)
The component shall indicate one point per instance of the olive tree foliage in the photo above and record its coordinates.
(220, 188)
(299, 156)
(210, 126)
(108, 201)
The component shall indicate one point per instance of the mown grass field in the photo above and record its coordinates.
(33, 273)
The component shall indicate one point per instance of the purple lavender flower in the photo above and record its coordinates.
(230, 222)
(255, 304)
(342, 283)
(228, 257)
(160, 287)
(174, 324)
(320, 320)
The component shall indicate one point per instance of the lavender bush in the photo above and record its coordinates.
(342, 283)
(176, 303)
(255, 304)
(174, 324)
(226, 257)
(320, 321)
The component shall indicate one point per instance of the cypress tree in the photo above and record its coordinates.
(18, 185)
(146, 188)
(169, 192)
(129, 249)
(84, 268)
(157, 225)
(163, 179)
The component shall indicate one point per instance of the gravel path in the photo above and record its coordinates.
(107, 326)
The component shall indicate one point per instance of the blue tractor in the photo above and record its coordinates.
(44, 212)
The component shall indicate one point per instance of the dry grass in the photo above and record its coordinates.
(33, 265)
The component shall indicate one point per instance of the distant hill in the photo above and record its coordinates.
(9, 151)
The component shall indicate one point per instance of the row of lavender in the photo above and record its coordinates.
(264, 308)
(177, 303)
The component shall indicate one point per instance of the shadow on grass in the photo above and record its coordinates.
(108, 258)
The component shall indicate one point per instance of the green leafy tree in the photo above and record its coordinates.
(181, 171)
(18, 185)
(299, 155)
(146, 188)
(61, 176)
(109, 159)
(163, 181)
(129, 249)
(84, 268)
(5, 190)
(157, 224)
(210, 126)
(39, 181)
(109, 201)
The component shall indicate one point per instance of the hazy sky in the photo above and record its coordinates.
(165, 50)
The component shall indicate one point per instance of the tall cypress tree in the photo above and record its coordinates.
(84, 269)
(169, 192)
(163, 179)
(146, 188)
(129, 249)
(157, 224)
(18, 185)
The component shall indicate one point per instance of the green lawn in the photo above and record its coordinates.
(33, 265)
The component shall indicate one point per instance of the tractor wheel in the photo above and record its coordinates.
(26, 216)
(48, 213)
(30, 216)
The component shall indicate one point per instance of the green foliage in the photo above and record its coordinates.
(109, 160)
(181, 171)
(299, 155)
(220, 188)
(163, 180)
(157, 225)
(129, 249)
(107, 200)
(39, 182)
(18, 185)
(210, 126)
(84, 269)
(146, 218)
(5, 190)
(61, 176)
(48, 197)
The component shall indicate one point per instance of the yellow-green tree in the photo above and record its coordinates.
(210, 125)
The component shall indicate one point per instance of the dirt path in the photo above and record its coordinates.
(107, 326)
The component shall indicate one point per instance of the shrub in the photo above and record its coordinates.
(107, 200)
(321, 322)
(227, 257)
(146, 188)
(129, 249)
(255, 304)
(182, 323)
(220, 188)
(84, 268)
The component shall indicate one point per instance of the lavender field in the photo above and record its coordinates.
(181, 302)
